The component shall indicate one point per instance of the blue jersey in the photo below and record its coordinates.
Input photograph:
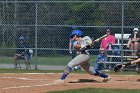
(22, 45)
(101, 58)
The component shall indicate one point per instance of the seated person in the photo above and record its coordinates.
(133, 41)
(102, 58)
(22, 53)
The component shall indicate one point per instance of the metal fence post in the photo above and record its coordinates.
(122, 31)
(36, 13)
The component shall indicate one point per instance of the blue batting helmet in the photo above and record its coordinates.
(76, 32)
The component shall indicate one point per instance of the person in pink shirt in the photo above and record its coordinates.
(107, 42)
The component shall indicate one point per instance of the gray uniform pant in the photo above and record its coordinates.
(83, 61)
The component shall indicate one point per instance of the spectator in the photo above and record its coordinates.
(22, 53)
(102, 59)
(72, 51)
(133, 41)
(106, 44)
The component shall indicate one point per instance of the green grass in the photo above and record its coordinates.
(35, 71)
(98, 90)
(53, 60)
(60, 71)
(28, 71)
(41, 60)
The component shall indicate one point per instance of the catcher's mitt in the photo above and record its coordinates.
(118, 67)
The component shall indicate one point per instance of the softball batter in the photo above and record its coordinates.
(81, 44)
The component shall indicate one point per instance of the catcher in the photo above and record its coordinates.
(119, 67)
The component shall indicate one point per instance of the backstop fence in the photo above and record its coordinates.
(46, 26)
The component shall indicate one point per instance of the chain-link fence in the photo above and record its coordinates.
(46, 25)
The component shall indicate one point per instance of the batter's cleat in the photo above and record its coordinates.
(57, 82)
(106, 79)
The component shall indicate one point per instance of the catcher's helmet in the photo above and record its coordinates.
(76, 32)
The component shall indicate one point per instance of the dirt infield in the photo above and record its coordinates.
(38, 83)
